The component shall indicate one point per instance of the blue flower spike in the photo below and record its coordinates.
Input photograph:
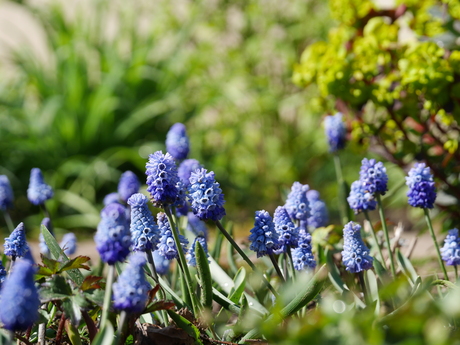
(38, 191)
(450, 252)
(318, 211)
(359, 199)
(186, 168)
(196, 226)
(167, 247)
(335, 132)
(128, 185)
(177, 142)
(302, 256)
(16, 245)
(145, 234)
(422, 191)
(373, 176)
(355, 254)
(2, 274)
(288, 233)
(69, 243)
(297, 204)
(264, 238)
(6, 193)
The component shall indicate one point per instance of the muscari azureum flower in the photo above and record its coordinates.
(128, 185)
(318, 210)
(2, 274)
(186, 168)
(16, 244)
(19, 297)
(191, 258)
(374, 176)
(360, 200)
(335, 132)
(162, 179)
(422, 192)
(46, 222)
(38, 191)
(302, 256)
(288, 233)
(69, 243)
(177, 143)
(264, 238)
(167, 247)
(6, 193)
(450, 252)
(196, 226)
(113, 238)
(297, 202)
(145, 234)
(130, 291)
(355, 254)
(110, 198)
(161, 263)
(205, 196)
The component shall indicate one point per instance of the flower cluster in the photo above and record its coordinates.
(360, 200)
(38, 191)
(128, 185)
(2, 274)
(302, 256)
(288, 233)
(6, 193)
(450, 252)
(186, 168)
(16, 244)
(167, 247)
(264, 238)
(177, 142)
(318, 210)
(335, 132)
(297, 202)
(196, 226)
(161, 263)
(69, 243)
(422, 191)
(145, 233)
(355, 254)
(373, 176)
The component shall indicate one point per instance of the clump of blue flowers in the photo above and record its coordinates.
(38, 191)
(205, 196)
(359, 199)
(422, 191)
(373, 176)
(113, 238)
(167, 247)
(264, 238)
(318, 211)
(161, 263)
(450, 252)
(186, 168)
(355, 254)
(177, 142)
(297, 204)
(335, 132)
(69, 243)
(16, 244)
(130, 292)
(128, 185)
(162, 179)
(6, 193)
(145, 233)
(111, 198)
(288, 233)
(302, 256)
(19, 298)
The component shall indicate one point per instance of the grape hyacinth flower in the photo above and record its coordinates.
(450, 252)
(374, 176)
(162, 179)
(145, 234)
(297, 202)
(46, 222)
(288, 233)
(197, 226)
(422, 191)
(355, 254)
(161, 263)
(19, 298)
(38, 191)
(191, 258)
(113, 238)
(318, 210)
(335, 132)
(2, 274)
(302, 256)
(177, 142)
(264, 238)
(360, 200)
(111, 198)
(69, 243)
(167, 247)
(128, 185)
(16, 244)
(205, 196)
(186, 168)
(130, 292)
(6, 193)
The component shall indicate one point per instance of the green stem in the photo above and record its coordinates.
(244, 256)
(387, 236)
(374, 236)
(123, 316)
(456, 272)
(342, 192)
(277, 268)
(289, 253)
(433, 236)
(161, 293)
(363, 286)
(183, 262)
(8, 221)
(108, 295)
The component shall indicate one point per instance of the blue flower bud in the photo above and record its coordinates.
(110, 198)
(130, 291)
(360, 200)
(374, 176)
(450, 252)
(128, 185)
(177, 143)
(69, 243)
(42, 243)
(38, 191)
(186, 168)
(302, 256)
(288, 233)
(6, 193)
(16, 244)
(297, 204)
(167, 247)
(191, 258)
(264, 238)
(355, 254)
(335, 132)
(318, 210)
(422, 191)
(145, 234)
(197, 226)
(161, 263)
(205, 196)
(19, 298)
(113, 238)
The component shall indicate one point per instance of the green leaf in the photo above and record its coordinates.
(57, 289)
(240, 283)
(159, 305)
(406, 267)
(72, 310)
(52, 265)
(334, 274)
(95, 296)
(372, 285)
(76, 263)
(186, 325)
(91, 282)
(105, 335)
(446, 283)
(172, 295)
(72, 333)
(4, 338)
(204, 273)
(225, 302)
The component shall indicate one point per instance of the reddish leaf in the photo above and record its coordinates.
(159, 305)
(91, 282)
(76, 263)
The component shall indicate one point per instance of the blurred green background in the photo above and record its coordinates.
(109, 78)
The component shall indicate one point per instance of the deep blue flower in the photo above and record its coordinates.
(130, 291)
(110, 198)
(335, 132)
(42, 243)
(422, 192)
(297, 202)
(69, 243)
(113, 238)
(264, 238)
(6, 193)
(2, 274)
(128, 185)
(374, 176)
(186, 168)
(16, 244)
(302, 256)
(161, 263)
(167, 247)
(450, 252)
(355, 254)
(288, 233)
(181, 198)
(191, 258)
(205, 196)
(177, 143)
(38, 191)
(162, 179)
(19, 298)
(360, 200)
(318, 210)
(197, 226)
(145, 233)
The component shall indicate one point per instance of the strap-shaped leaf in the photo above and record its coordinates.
(187, 326)
(371, 282)
(204, 273)
(240, 283)
(105, 335)
(225, 302)
(406, 266)
(72, 333)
